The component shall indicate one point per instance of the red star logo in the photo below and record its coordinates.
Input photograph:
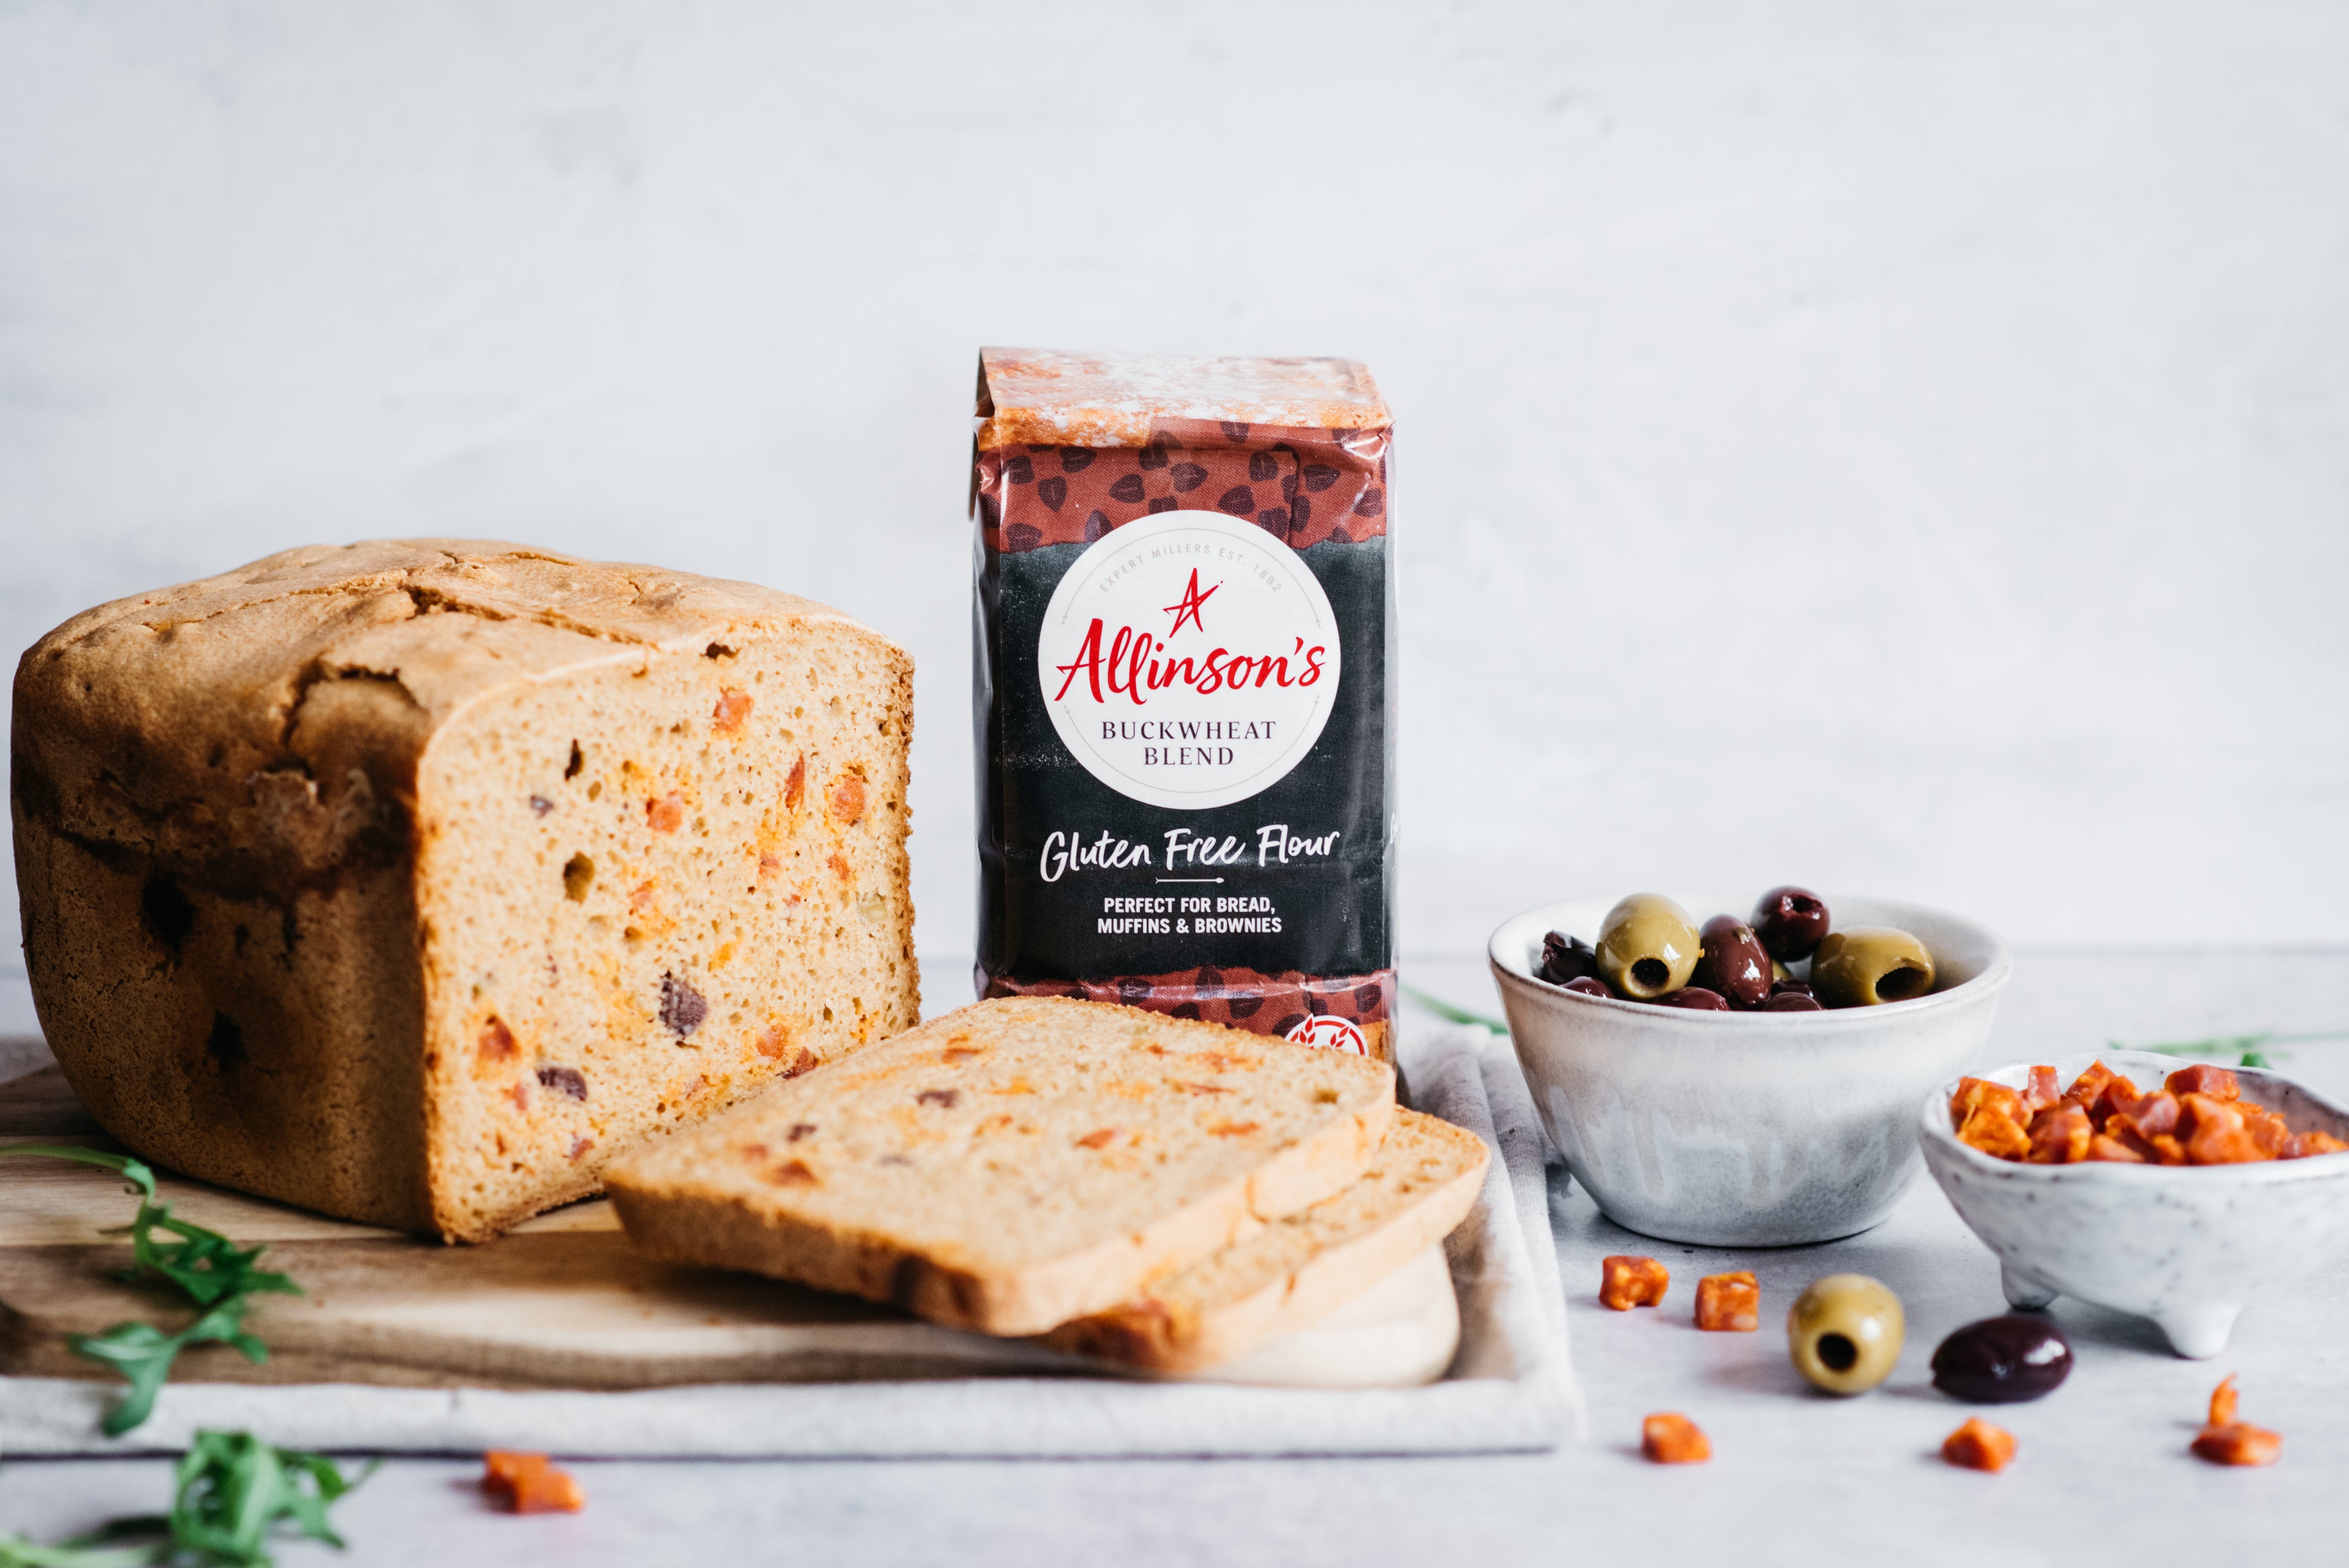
(1189, 609)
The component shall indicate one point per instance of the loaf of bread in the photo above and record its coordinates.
(1299, 1268)
(1013, 1165)
(412, 881)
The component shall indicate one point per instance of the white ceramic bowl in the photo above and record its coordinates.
(2187, 1246)
(1745, 1129)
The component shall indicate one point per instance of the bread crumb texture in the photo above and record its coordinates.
(412, 881)
(1014, 1164)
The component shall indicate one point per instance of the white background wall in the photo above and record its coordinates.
(1898, 447)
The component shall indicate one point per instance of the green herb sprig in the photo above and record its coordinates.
(1445, 1011)
(2252, 1047)
(230, 1495)
(216, 1276)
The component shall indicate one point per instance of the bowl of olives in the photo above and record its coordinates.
(2188, 1245)
(1780, 1106)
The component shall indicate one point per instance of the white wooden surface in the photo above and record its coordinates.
(2103, 1475)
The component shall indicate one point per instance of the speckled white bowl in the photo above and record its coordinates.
(2187, 1246)
(1744, 1129)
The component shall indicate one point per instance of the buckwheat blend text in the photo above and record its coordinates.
(1184, 622)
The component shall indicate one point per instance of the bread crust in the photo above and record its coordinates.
(224, 813)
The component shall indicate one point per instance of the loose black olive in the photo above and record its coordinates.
(1589, 985)
(1694, 996)
(2003, 1360)
(1731, 961)
(1790, 921)
(1566, 957)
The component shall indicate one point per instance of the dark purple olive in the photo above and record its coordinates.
(1694, 996)
(1589, 985)
(2003, 1360)
(1790, 921)
(1730, 961)
(1793, 987)
(1790, 1001)
(1566, 957)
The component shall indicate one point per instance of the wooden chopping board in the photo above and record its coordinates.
(562, 1301)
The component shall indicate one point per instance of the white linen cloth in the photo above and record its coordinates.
(1511, 1387)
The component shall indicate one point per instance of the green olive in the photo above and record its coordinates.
(1647, 946)
(1867, 964)
(1845, 1332)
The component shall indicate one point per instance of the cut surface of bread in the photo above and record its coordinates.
(1297, 1268)
(411, 881)
(1012, 1165)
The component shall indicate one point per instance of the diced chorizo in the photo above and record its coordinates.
(1628, 1281)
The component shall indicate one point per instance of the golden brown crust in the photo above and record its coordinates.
(1045, 397)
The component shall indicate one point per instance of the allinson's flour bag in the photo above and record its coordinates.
(1184, 618)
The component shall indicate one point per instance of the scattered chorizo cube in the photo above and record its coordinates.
(2240, 1444)
(1729, 1303)
(1979, 1446)
(1674, 1439)
(2060, 1134)
(2222, 1403)
(528, 1483)
(1627, 1282)
(2204, 1079)
(2225, 1440)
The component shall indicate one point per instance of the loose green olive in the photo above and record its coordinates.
(1647, 946)
(1845, 1332)
(1864, 965)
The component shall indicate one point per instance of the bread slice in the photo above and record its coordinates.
(1013, 1165)
(411, 881)
(1421, 1183)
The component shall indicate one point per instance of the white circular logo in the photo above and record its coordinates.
(1188, 659)
(1330, 1033)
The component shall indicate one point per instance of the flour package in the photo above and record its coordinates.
(1184, 622)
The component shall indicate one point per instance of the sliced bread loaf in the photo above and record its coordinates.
(411, 880)
(1013, 1165)
(1299, 1268)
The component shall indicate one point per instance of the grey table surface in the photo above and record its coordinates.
(2103, 1473)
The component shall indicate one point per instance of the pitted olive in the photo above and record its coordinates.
(1732, 962)
(1845, 1332)
(1647, 946)
(1868, 964)
(1588, 985)
(1789, 1002)
(1695, 996)
(1790, 921)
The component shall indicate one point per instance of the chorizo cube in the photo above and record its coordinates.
(2204, 1079)
(1976, 1095)
(2089, 1085)
(1729, 1303)
(2042, 1090)
(2239, 1444)
(1670, 1438)
(2303, 1144)
(2060, 1134)
(2114, 1151)
(2153, 1114)
(1979, 1446)
(1625, 1282)
(2118, 1095)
